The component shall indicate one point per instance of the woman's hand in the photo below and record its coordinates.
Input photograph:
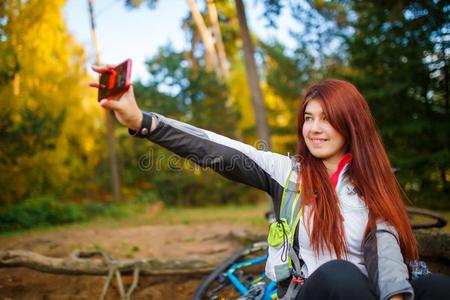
(124, 106)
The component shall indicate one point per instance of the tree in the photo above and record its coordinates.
(48, 132)
(405, 77)
(222, 55)
(287, 75)
(181, 91)
(215, 59)
(211, 57)
(115, 182)
(397, 56)
(259, 109)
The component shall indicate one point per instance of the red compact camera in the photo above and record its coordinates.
(115, 81)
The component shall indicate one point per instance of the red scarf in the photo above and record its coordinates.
(335, 176)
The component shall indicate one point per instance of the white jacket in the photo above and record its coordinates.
(379, 257)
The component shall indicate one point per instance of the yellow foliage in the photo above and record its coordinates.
(51, 81)
(282, 117)
(281, 114)
(240, 94)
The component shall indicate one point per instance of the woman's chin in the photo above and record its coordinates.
(319, 154)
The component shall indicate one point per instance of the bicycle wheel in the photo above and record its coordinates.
(423, 218)
(218, 286)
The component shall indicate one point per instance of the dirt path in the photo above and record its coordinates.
(162, 241)
(211, 239)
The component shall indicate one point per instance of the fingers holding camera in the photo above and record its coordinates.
(97, 85)
(103, 69)
(125, 109)
(110, 104)
(124, 105)
(119, 102)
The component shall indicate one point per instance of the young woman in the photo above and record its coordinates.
(354, 238)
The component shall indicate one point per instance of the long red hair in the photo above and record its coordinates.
(369, 171)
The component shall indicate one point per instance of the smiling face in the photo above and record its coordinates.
(322, 140)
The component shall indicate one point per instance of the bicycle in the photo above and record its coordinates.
(241, 276)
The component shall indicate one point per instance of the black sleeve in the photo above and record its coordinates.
(232, 159)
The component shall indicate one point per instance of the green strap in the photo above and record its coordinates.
(294, 204)
(294, 223)
(284, 190)
(280, 230)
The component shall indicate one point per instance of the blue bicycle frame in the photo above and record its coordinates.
(270, 290)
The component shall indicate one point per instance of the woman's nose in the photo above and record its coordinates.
(316, 126)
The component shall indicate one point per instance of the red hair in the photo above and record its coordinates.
(369, 171)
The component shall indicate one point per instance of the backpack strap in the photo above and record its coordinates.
(291, 210)
(283, 212)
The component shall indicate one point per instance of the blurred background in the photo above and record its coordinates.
(208, 63)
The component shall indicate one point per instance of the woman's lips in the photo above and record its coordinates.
(317, 141)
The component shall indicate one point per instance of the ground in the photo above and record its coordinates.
(197, 235)
(156, 232)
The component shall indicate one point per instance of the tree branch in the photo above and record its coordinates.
(76, 264)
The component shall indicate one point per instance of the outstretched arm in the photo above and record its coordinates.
(234, 160)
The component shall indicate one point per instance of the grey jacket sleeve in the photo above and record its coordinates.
(392, 271)
(234, 160)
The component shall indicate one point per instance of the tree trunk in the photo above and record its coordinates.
(108, 118)
(77, 264)
(213, 17)
(259, 109)
(446, 91)
(211, 59)
(12, 13)
(433, 244)
(194, 43)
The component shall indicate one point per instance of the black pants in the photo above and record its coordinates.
(339, 279)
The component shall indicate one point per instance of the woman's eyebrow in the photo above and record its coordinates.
(312, 114)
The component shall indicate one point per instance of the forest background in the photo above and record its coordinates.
(55, 162)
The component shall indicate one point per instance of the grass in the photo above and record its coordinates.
(425, 220)
(237, 214)
(446, 215)
(157, 213)
(136, 214)
(250, 214)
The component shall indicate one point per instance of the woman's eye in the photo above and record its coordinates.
(308, 118)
